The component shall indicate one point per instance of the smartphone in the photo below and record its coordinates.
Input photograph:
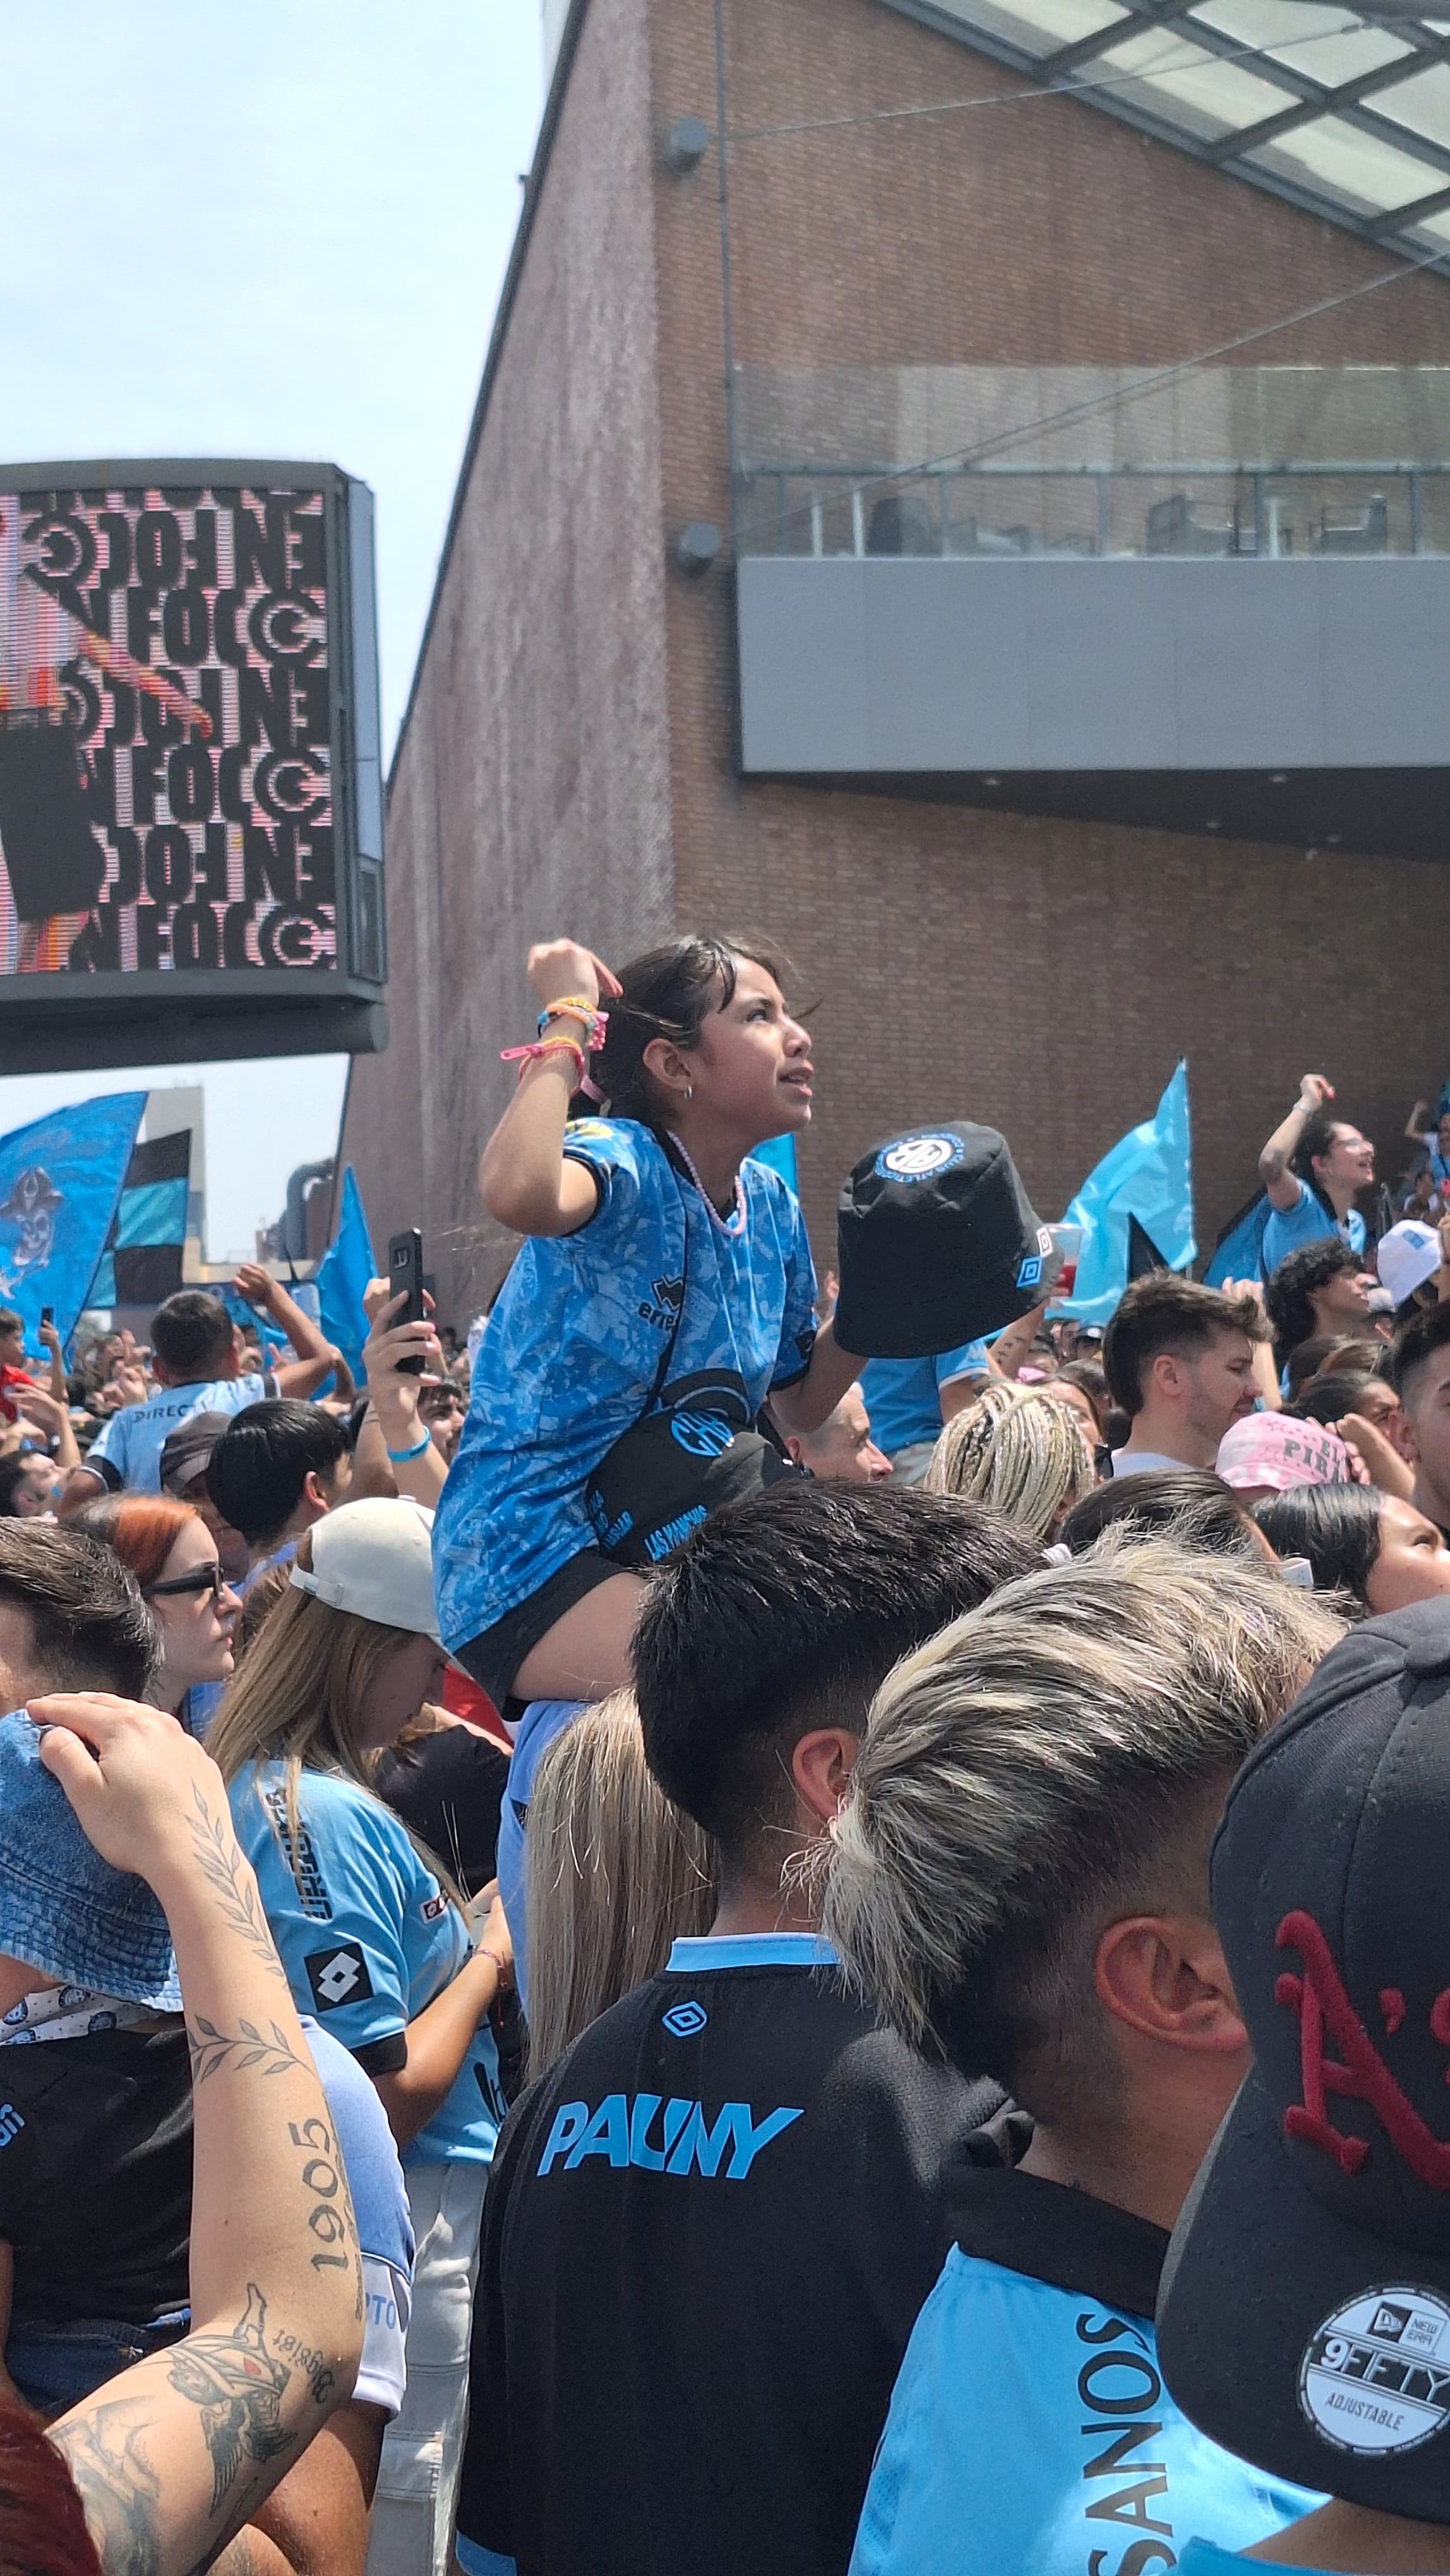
(405, 1271)
(47, 1314)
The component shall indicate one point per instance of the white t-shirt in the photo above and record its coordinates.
(132, 1441)
(1143, 1462)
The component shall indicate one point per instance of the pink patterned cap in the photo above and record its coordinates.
(1274, 1449)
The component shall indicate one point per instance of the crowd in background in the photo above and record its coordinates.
(617, 2031)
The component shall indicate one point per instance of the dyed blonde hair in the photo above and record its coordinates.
(1014, 1450)
(614, 1873)
(296, 1698)
(1047, 1765)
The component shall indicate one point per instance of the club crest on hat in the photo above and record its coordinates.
(1359, 2073)
(919, 1158)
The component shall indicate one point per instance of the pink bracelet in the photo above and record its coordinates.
(541, 1047)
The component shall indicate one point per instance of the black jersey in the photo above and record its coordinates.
(708, 2232)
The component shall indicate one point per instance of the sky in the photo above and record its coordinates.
(271, 231)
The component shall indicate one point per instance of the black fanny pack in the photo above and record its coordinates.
(676, 1462)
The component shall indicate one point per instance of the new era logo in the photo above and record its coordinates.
(683, 2020)
(338, 1976)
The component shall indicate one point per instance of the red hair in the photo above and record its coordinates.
(42, 2521)
(141, 1529)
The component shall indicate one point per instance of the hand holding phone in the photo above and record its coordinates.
(405, 1277)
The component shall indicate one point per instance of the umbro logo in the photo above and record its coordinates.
(668, 1291)
(338, 1976)
(683, 2020)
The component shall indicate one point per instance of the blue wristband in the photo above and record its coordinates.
(399, 1456)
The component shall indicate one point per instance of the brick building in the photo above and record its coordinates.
(1028, 935)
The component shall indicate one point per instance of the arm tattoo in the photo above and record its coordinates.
(330, 2218)
(238, 2386)
(219, 1856)
(210, 2049)
(117, 2487)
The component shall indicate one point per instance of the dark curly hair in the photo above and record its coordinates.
(1286, 1296)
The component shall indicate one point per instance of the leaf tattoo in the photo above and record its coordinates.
(210, 2049)
(219, 1856)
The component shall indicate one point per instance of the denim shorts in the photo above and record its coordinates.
(55, 2366)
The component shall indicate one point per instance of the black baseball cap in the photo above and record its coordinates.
(1304, 2314)
(937, 1243)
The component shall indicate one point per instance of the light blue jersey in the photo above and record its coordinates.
(366, 1935)
(1201, 2558)
(132, 1441)
(1030, 2432)
(903, 1397)
(1307, 1222)
(574, 1344)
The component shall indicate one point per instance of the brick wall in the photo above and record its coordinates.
(570, 761)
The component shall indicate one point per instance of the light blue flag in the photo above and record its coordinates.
(1135, 1209)
(342, 1275)
(60, 1180)
(778, 1152)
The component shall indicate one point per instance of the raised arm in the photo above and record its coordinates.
(304, 1374)
(1414, 1129)
(1282, 1184)
(172, 2457)
(524, 1178)
(395, 1452)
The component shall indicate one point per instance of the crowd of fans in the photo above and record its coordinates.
(663, 1945)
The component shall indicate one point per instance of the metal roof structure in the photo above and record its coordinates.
(1346, 115)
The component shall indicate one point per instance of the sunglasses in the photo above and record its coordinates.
(206, 1578)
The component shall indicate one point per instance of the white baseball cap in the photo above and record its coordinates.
(1408, 1255)
(375, 1558)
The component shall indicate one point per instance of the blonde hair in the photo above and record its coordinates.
(296, 1697)
(1046, 1765)
(1014, 1450)
(614, 1873)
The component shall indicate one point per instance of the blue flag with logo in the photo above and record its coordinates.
(1135, 1209)
(342, 1275)
(60, 1180)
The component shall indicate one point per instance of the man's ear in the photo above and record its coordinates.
(1401, 1434)
(821, 1767)
(1165, 1976)
(1165, 1374)
(794, 1448)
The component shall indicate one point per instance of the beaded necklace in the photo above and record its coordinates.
(732, 1224)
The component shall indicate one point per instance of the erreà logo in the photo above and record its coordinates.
(656, 2136)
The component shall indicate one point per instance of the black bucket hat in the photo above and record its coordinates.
(937, 1243)
(1304, 2315)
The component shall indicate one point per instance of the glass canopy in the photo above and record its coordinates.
(1345, 114)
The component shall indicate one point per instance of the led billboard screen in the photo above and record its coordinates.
(190, 764)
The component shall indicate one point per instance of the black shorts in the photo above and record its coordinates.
(493, 1658)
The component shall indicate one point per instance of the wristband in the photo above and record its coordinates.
(399, 1456)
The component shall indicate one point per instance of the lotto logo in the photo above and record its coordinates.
(683, 2020)
(338, 1976)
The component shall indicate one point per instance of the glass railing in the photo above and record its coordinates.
(1362, 507)
(973, 460)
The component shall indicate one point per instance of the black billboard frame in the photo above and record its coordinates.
(211, 1014)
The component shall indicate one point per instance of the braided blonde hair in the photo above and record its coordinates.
(1015, 1450)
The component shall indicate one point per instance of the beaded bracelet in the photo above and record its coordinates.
(398, 1456)
(524, 1055)
(574, 1007)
